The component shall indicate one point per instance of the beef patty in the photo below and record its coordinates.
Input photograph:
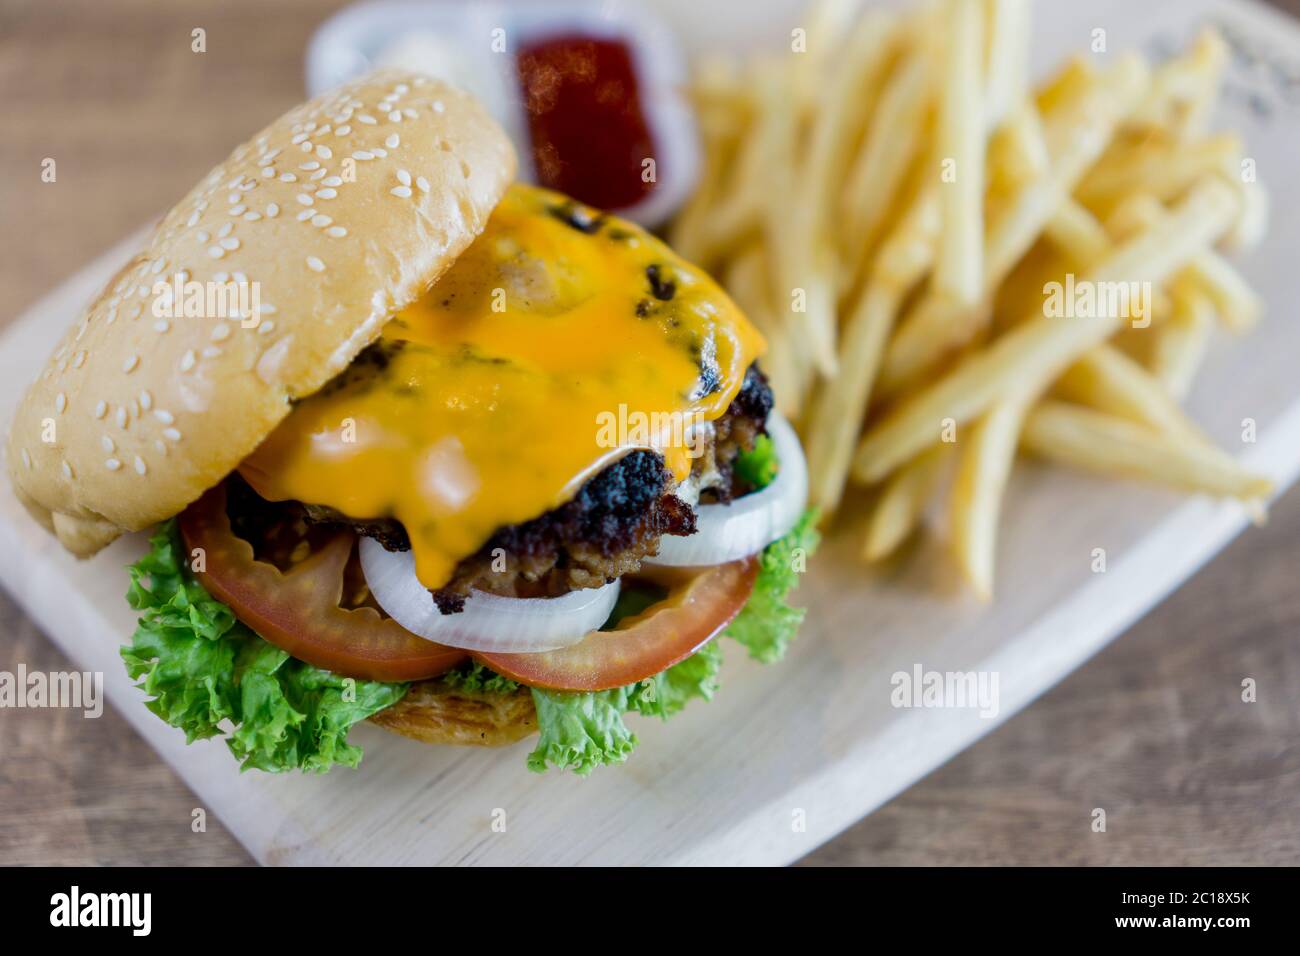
(615, 519)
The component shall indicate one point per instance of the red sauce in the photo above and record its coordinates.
(589, 134)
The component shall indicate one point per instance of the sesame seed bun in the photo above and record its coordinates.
(339, 213)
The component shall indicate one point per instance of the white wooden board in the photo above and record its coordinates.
(723, 782)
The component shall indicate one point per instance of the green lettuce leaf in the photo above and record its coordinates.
(209, 675)
(477, 679)
(758, 466)
(580, 732)
(767, 624)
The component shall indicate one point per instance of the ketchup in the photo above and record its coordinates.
(589, 134)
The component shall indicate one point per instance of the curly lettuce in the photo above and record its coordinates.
(209, 675)
(580, 732)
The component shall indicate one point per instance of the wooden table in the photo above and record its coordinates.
(1152, 729)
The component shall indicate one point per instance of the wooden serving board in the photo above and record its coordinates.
(785, 756)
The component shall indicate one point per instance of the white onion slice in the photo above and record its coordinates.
(489, 622)
(728, 532)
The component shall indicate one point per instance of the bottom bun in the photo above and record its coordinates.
(437, 713)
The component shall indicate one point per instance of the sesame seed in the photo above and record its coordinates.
(106, 442)
(221, 277)
(101, 409)
(162, 448)
(395, 116)
(67, 470)
(27, 458)
(216, 252)
(140, 466)
(171, 434)
(326, 193)
(422, 183)
(272, 210)
(60, 402)
(238, 210)
(193, 220)
(188, 360)
(367, 119)
(315, 265)
(268, 172)
(393, 141)
(307, 146)
(131, 362)
(437, 106)
(404, 177)
(306, 214)
(409, 113)
(202, 235)
(343, 130)
(402, 192)
(158, 266)
(162, 325)
(319, 173)
(381, 153)
(338, 232)
(309, 166)
(320, 220)
(232, 198)
(121, 416)
(401, 89)
(252, 216)
(230, 243)
(288, 178)
(266, 327)
(324, 152)
(332, 181)
(112, 464)
(363, 155)
(220, 332)
(211, 351)
(79, 359)
(225, 229)
(146, 399)
(268, 309)
(163, 416)
(298, 138)
(306, 199)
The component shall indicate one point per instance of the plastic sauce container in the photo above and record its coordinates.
(591, 95)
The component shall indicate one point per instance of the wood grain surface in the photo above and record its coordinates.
(1152, 729)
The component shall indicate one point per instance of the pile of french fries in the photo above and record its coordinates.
(889, 202)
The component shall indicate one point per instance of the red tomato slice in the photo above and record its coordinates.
(298, 610)
(698, 606)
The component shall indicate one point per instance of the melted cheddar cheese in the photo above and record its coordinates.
(494, 397)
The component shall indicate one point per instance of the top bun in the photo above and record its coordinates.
(337, 215)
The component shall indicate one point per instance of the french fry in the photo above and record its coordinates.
(1007, 68)
(1106, 379)
(1163, 170)
(1103, 443)
(840, 409)
(983, 468)
(959, 263)
(1043, 345)
(1077, 232)
(1018, 152)
(1237, 304)
(902, 502)
(1182, 342)
(1185, 90)
(1077, 131)
(805, 257)
(889, 147)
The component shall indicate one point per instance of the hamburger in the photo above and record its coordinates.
(420, 445)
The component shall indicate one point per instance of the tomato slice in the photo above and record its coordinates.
(698, 606)
(298, 610)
